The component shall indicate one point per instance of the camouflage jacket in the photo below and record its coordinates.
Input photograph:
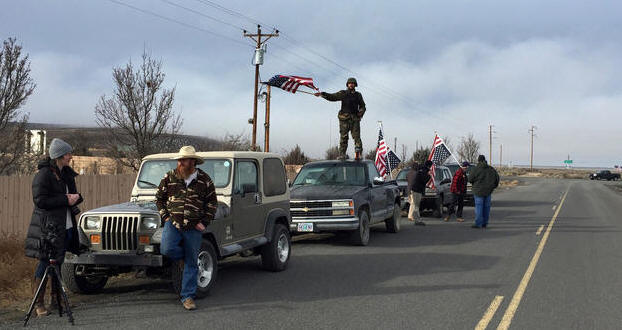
(352, 104)
(186, 206)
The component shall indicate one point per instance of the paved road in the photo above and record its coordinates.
(441, 276)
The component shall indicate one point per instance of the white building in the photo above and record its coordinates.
(36, 140)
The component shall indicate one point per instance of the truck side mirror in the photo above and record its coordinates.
(378, 180)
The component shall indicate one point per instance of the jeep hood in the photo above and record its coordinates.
(311, 192)
(131, 207)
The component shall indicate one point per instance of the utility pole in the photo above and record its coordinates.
(395, 143)
(500, 155)
(490, 143)
(266, 144)
(531, 130)
(258, 60)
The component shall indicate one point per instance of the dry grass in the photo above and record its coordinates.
(545, 173)
(16, 272)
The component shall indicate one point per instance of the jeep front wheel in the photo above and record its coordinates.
(81, 284)
(361, 235)
(207, 263)
(275, 254)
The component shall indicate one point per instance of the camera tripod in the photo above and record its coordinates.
(57, 285)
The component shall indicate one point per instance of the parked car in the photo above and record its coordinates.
(330, 196)
(605, 175)
(252, 219)
(402, 184)
(437, 198)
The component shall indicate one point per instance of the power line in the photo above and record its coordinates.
(148, 12)
(203, 15)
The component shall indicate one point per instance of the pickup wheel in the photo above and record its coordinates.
(393, 223)
(207, 270)
(275, 254)
(438, 207)
(81, 284)
(361, 235)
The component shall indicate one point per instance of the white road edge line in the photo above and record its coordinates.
(490, 312)
(522, 286)
(539, 230)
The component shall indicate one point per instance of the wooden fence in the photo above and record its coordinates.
(98, 190)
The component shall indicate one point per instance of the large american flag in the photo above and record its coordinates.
(438, 156)
(291, 83)
(384, 155)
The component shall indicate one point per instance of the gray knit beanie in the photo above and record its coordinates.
(58, 148)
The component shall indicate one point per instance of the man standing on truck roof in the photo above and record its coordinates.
(186, 200)
(350, 115)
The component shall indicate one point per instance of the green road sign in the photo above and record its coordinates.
(568, 161)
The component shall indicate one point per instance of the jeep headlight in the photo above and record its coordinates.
(150, 222)
(342, 204)
(92, 223)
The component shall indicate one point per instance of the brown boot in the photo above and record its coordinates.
(357, 155)
(40, 302)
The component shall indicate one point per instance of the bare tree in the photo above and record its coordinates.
(16, 86)
(236, 142)
(420, 155)
(371, 154)
(469, 148)
(139, 118)
(332, 153)
(296, 157)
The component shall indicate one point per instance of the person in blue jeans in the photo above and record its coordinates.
(186, 200)
(484, 179)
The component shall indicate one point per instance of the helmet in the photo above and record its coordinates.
(351, 80)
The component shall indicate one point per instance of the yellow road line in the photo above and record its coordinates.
(539, 230)
(522, 286)
(490, 312)
(554, 206)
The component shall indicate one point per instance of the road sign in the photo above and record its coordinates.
(568, 161)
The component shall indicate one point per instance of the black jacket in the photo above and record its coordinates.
(421, 180)
(49, 189)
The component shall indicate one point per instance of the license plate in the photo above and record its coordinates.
(307, 226)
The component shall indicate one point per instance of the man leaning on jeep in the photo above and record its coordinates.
(186, 200)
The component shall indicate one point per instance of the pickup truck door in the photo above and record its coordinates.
(377, 195)
(246, 199)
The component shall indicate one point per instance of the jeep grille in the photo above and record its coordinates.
(119, 233)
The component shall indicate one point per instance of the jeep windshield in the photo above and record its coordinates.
(152, 172)
(336, 174)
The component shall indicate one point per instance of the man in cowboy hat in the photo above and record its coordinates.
(350, 115)
(186, 200)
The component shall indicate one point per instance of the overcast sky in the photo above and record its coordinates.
(422, 66)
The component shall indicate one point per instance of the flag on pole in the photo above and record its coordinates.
(291, 83)
(386, 159)
(438, 156)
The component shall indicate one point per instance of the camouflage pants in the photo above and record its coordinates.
(352, 126)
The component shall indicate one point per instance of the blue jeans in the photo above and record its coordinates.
(183, 244)
(44, 262)
(482, 210)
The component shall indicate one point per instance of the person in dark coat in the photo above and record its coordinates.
(484, 179)
(458, 190)
(422, 177)
(55, 200)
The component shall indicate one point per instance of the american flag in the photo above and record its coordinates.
(438, 156)
(383, 153)
(291, 83)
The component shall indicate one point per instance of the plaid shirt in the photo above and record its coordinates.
(186, 206)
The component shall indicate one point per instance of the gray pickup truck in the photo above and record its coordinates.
(252, 219)
(329, 196)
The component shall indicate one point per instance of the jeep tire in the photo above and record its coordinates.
(208, 270)
(81, 284)
(275, 254)
(360, 236)
(393, 223)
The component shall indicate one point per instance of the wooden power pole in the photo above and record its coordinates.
(266, 145)
(258, 60)
(490, 143)
(531, 131)
(500, 155)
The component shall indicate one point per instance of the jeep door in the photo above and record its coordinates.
(246, 198)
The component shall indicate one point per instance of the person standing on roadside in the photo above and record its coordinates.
(56, 200)
(422, 177)
(458, 190)
(484, 179)
(186, 201)
(410, 178)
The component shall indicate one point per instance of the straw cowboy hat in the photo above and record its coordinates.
(189, 152)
